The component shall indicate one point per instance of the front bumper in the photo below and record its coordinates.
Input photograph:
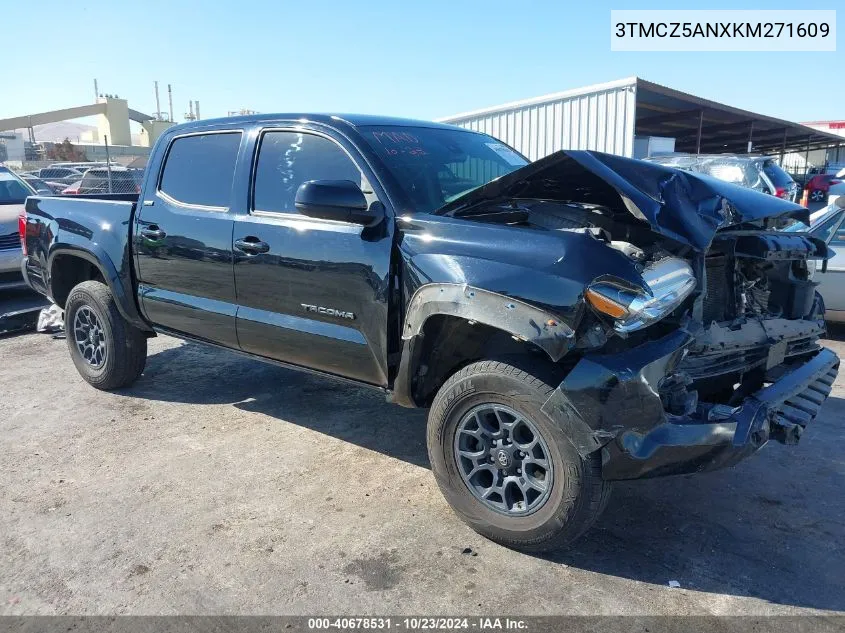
(612, 403)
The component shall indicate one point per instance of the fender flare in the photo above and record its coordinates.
(520, 319)
(99, 259)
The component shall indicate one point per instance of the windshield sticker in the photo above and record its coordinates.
(507, 153)
(395, 143)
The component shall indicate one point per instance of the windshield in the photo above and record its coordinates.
(434, 166)
(12, 190)
(778, 176)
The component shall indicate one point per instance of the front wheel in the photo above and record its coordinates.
(506, 468)
(108, 352)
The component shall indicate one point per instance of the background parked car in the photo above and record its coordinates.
(41, 186)
(13, 194)
(81, 167)
(827, 224)
(818, 186)
(64, 175)
(755, 172)
(72, 188)
(837, 189)
(97, 181)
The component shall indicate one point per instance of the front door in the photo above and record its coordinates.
(310, 292)
(183, 239)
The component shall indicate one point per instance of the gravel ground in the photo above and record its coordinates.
(218, 485)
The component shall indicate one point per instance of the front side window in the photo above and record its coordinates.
(287, 159)
(433, 166)
(199, 169)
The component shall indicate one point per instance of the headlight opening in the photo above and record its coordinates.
(670, 281)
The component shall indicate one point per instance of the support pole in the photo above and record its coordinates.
(108, 160)
(750, 137)
(698, 136)
(807, 159)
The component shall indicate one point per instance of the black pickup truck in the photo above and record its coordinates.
(568, 322)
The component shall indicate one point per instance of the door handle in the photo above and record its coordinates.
(252, 245)
(152, 232)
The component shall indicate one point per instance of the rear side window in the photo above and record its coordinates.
(199, 169)
(287, 159)
(778, 176)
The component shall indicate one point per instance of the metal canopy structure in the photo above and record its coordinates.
(607, 118)
(708, 127)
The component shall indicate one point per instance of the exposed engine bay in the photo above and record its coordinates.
(747, 302)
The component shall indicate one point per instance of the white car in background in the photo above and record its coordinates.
(13, 194)
(838, 189)
(827, 224)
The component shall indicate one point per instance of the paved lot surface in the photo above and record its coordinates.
(221, 485)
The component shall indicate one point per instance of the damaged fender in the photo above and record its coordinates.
(519, 319)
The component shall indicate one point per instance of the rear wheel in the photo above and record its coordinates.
(108, 352)
(506, 468)
(817, 195)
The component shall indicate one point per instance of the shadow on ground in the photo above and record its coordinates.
(205, 375)
(770, 528)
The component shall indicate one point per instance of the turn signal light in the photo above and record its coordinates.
(605, 305)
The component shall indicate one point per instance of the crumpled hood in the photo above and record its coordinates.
(684, 206)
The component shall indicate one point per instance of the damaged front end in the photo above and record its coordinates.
(715, 351)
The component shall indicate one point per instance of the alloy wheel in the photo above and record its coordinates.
(503, 460)
(90, 337)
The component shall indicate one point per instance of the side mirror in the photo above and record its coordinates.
(334, 200)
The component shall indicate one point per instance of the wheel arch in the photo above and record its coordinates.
(69, 265)
(448, 326)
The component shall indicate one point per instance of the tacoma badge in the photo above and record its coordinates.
(342, 314)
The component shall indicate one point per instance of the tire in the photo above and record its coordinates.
(817, 195)
(577, 494)
(123, 353)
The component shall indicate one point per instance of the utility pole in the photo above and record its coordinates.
(170, 98)
(96, 92)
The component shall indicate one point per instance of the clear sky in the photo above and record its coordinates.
(423, 59)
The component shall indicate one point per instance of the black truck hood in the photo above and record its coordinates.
(683, 206)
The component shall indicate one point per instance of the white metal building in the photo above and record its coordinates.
(620, 117)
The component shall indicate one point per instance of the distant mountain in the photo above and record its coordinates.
(57, 132)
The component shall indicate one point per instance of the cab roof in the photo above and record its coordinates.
(350, 120)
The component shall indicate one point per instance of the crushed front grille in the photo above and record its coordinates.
(717, 303)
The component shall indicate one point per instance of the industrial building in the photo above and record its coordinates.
(112, 115)
(637, 118)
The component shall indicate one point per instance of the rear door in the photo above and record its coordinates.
(311, 292)
(183, 237)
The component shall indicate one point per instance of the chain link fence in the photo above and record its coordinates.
(72, 168)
